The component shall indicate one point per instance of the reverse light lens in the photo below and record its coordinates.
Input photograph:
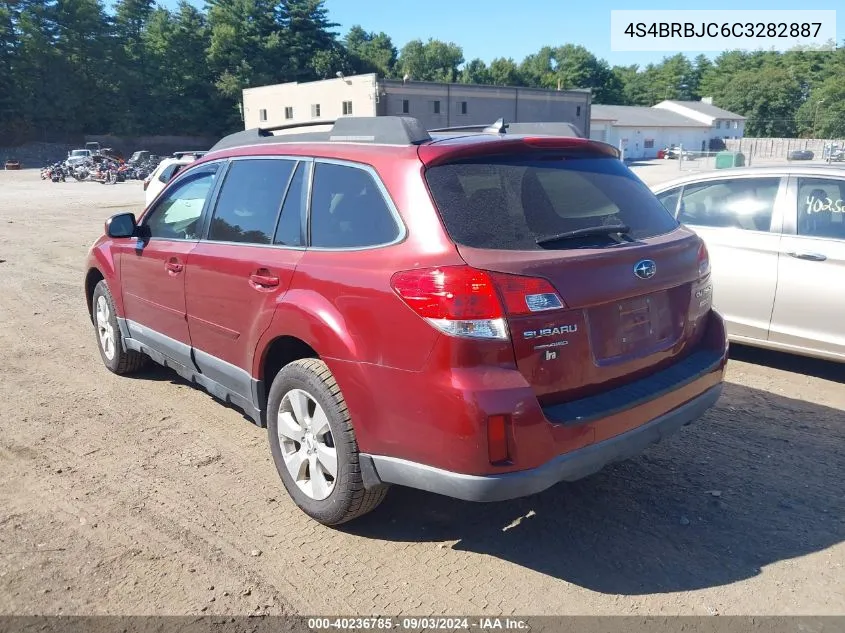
(474, 328)
(541, 302)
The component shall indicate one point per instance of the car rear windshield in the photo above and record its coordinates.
(512, 203)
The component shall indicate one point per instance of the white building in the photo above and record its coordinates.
(723, 124)
(436, 105)
(641, 131)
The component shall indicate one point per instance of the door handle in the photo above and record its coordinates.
(262, 279)
(812, 257)
(174, 266)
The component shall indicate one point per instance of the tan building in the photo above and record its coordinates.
(435, 104)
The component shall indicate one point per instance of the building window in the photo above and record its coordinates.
(263, 115)
(347, 108)
(406, 106)
(648, 143)
(736, 124)
(578, 111)
(288, 112)
(718, 124)
(436, 107)
(463, 105)
(315, 110)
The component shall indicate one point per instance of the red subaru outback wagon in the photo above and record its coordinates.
(480, 314)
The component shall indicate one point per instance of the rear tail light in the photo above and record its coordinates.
(463, 301)
(703, 260)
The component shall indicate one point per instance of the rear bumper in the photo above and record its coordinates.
(566, 467)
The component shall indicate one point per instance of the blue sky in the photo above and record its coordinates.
(510, 28)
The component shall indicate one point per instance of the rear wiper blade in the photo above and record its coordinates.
(585, 232)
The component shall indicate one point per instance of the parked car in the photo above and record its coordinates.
(800, 154)
(776, 236)
(833, 153)
(674, 152)
(476, 315)
(141, 156)
(161, 175)
(77, 157)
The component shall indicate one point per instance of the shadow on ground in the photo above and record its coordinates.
(755, 482)
(758, 480)
(789, 362)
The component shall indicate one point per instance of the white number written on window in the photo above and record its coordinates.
(817, 205)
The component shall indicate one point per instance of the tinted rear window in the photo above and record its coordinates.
(510, 203)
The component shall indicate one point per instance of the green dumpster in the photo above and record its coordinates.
(729, 159)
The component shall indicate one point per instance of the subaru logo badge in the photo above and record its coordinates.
(645, 269)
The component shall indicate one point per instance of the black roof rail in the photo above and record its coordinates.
(196, 153)
(384, 130)
(550, 128)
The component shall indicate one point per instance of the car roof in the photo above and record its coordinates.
(753, 171)
(365, 138)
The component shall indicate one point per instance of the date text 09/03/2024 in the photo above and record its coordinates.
(417, 623)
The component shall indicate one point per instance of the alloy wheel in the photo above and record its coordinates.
(307, 444)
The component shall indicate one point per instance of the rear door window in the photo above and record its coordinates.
(669, 199)
(741, 203)
(513, 202)
(821, 207)
(289, 230)
(348, 209)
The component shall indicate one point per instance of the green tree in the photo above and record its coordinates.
(538, 70)
(246, 46)
(137, 74)
(183, 94)
(823, 114)
(701, 66)
(476, 72)
(430, 61)
(87, 80)
(371, 52)
(504, 72)
(769, 98)
(9, 50)
(308, 40)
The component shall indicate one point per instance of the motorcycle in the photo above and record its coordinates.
(56, 172)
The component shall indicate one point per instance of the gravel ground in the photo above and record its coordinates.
(146, 496)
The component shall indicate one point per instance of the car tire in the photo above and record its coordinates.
(116, 357)
(310, 434)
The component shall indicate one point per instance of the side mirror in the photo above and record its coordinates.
(121, 225)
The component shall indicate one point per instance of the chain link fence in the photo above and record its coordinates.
(761, 151)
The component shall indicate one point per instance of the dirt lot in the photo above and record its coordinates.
(146, 496)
